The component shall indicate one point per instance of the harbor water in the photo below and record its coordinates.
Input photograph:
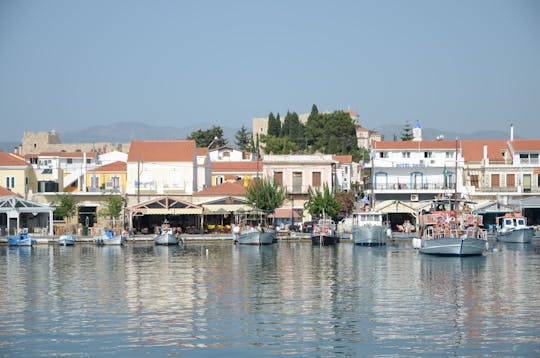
(287, 299)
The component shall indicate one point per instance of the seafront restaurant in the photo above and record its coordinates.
(214, 216)
(18, 214)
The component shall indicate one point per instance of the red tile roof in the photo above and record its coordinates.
(343, 158)
(7, 192)
(10, 160)
(162, 151)
(237, 166)
(113, 167)
(202, 151)
(473, 150)
(237, 188)
(523, 145)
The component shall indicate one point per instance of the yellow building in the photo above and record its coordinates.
(17, 175)
(109, 177)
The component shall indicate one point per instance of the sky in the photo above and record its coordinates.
(460, 65)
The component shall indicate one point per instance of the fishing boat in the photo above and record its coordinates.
(324, 232)
(449, 229)
(23, 239)
(166, 235)
(107, 237)
(512, 227)
(368, 229)
(253, 230)
(66, 240)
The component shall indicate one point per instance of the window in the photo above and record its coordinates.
(383, 155)
(510, 180)
(278, 178)
(526, 183)
(226, 155)
(297, 182)
(94, 182)
(316, 179)
(88, 161)
(538, 181)
(219, 180)
(115, 182)
(406, 154)
(495, 181)
(10, 182)
(449, 154)
(428, 154)
(474, 180)
(69, 160)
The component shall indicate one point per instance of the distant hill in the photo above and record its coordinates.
(8, 146)
(124, 132)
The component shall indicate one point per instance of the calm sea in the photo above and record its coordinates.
(288, 299)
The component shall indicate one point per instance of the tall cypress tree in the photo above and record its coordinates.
(274, 125)
(407, 134)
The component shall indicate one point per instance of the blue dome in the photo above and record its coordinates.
(417, 125)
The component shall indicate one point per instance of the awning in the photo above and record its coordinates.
(398, 206)
(166, 206)
(284, 213)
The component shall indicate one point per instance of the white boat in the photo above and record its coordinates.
(512, 227)
(449, 231)
(368, 228)
(66, 240)
(166, 236)
(324, 232)
(253, 235)
(107, 237)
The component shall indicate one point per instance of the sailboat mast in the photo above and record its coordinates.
(455, 178)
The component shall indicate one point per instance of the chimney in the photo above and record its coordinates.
(485, 154)
(511, 132)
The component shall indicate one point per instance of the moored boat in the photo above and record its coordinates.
(66, 240)
(23, 239)
(447, 230)
(368, 229)
(166, 235)
(324, 232)
(253, 235)
(512, 227)
(107, 237)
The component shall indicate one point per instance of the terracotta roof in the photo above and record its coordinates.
(473, 150)
(67, 154)
(351, 112)
(202, 151)
(162, 151)
(9, 160)
(523, 145)
(421, 145)
(343, 158)
(236, 188)
(113, 167)
(237, 166)
(7, 192)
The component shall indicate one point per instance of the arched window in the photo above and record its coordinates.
(417, 180)
(381, 180)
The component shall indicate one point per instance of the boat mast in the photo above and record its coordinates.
(455, 178)
(371, 154)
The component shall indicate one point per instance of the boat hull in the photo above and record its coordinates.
(450, 246)
(324, 239)
(104, 240)
(256, 237)
(66, 240)
(521, 235)
(18, 241)
(166, 239)
(369, 235)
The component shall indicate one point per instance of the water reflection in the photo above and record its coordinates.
(287, 298)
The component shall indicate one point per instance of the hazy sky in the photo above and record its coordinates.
(453, 65)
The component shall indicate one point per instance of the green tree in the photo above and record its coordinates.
(113, 208)
(322, 202)
(407, 134)
(243, 139)
(278, 145)
(264, 195)
(274, 125)
(211, 138)
(66, 207)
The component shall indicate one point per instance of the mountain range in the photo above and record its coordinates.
(124, 132)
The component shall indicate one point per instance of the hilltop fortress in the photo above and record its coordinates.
(40, 142)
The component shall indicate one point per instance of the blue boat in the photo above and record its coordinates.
(23, 239)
